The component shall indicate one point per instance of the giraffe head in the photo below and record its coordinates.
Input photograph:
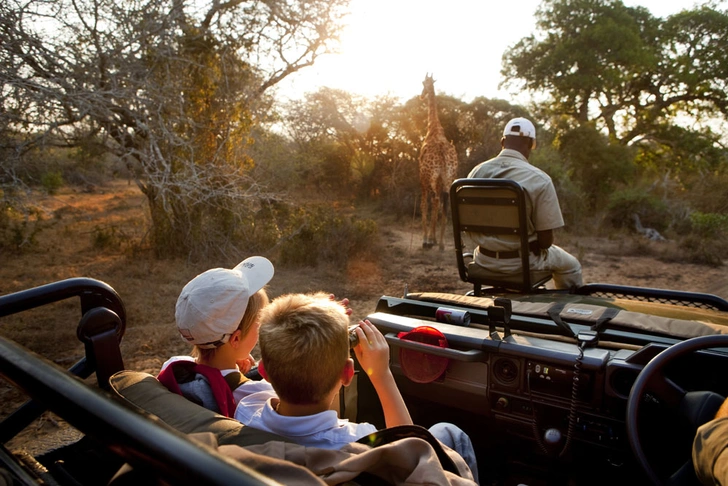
(428, 87)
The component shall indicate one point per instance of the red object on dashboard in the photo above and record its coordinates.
(420, 366)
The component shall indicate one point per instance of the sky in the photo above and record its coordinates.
(389, 46)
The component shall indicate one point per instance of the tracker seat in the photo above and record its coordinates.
(492, 207)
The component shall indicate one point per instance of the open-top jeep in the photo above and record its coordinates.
(553, 388)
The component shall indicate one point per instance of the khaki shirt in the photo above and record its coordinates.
(710, 452)
(542, 205)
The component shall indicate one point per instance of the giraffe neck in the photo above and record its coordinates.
(433, 121)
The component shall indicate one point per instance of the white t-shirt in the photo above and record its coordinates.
(247, 388)
(324, 429)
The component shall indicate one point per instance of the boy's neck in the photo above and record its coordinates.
(222, 359)
(297, 410)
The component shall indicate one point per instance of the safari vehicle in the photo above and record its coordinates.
(603, 384)
(508, 379)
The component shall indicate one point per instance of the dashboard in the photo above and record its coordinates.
(539, 388)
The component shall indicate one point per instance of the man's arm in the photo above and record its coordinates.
(373, 355)
(710, 453)
(545, 240)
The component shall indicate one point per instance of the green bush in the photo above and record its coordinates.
(106, 237)
(320, 235)
(709, 225)
(52, 181)
(19, 232)
(624, 204)
(705, 239)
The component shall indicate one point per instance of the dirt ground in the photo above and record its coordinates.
(97, 235)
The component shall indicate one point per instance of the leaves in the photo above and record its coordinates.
(173, 87)
(621, 68)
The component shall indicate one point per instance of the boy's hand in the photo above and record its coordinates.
(246, 364)
(344, 303)
(372, 351)
(373, 355)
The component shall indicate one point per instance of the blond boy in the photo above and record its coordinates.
(217, 312)
(305, 356)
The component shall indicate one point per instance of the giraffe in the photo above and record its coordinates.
(438, 169)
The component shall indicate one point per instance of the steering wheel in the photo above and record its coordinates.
(696, 407)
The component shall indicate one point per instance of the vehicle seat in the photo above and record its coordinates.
(492, 207)
(386, 457)
(143, 391)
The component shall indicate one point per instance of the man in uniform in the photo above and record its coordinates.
(501, 253)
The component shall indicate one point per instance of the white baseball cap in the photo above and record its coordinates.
(520, 127)
(210, 307)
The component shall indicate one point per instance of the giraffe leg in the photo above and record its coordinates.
(425, 219)
(443, 222)
(434, 218)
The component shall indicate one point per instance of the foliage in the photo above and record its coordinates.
(170, 87)
(317, 234)
(368, 149)
(621, 68)
(105, 237)
(680, 152)
(707, 191)
(352, 147)
(696, 249)
(594, 164)
(624, 204)
(52, 181)
(710, 225)
(19, 231)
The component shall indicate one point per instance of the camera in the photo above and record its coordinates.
(353, 338)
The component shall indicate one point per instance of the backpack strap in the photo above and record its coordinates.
(235, 379)
(185, 371)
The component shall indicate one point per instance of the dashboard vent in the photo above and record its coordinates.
(506, 371)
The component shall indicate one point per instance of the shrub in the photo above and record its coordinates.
(51, 181)
(624, 204)
(696, 249)
(706, 241)
(319, 234)
(106, 237)
(19, 232)
(709, 225)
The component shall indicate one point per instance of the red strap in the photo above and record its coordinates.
(219, 387)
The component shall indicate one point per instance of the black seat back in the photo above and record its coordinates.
(492, 207)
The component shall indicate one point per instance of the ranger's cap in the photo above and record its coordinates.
(520, 127)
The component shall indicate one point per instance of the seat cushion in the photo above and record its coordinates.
(145, 392)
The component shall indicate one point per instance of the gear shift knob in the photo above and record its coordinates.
(552, 440)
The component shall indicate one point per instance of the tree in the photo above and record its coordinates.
(349, 145)
(619, 71)
(623, 69)
(480, 127)
(172, 87)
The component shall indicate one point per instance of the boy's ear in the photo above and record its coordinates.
(235, 338)
(261, 370)
(347, 374)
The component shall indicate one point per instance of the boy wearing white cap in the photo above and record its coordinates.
(217, 312)
(501, 254)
